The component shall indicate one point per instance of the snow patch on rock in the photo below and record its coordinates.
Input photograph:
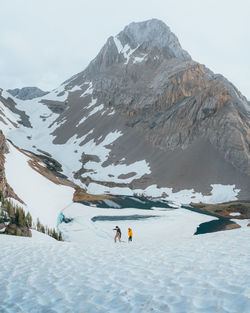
(235, 214)
(219, 193)
(127, 51)
(92, 103)
(58, 94)
(89, 90)
(139, 59)
(96, 109)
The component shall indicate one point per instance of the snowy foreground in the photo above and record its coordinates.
(181, 274)
(165, 268)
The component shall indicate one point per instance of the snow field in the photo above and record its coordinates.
(219, 193)
(166, 224)
(201, 274)
(7, 119)
(69, 154)
(164, 269)
(43, 198)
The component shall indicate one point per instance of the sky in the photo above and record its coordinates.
(45, 42)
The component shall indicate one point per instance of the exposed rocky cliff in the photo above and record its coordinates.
(27, 93)
(5, 188)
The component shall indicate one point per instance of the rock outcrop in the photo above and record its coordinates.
(27, 93)
(5, 189)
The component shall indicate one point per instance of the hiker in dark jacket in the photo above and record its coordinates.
(118, 234)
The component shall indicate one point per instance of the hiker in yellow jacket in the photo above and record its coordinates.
(130, 234)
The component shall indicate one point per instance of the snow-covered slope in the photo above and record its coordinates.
(8, 119)
(40, 138)
(199, 274)
(150, 225)
(43, 198)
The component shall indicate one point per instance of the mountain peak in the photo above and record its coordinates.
(144, 119)
(150, 30)
(155, 33)
(137, 43)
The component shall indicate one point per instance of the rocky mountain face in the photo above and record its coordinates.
(144, 113)
(5, 188)
(27, 93)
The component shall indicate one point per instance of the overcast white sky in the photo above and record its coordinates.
(44, 42)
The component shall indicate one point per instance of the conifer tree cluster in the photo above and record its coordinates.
(18, 223)
(48, 231)
(15, 219)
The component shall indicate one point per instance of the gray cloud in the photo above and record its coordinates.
(43, 43)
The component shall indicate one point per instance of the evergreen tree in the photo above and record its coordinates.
(15, 220)
(2, 216)
(9, 209)
(60, 237)
(21, 216)
(28, 220)
(42, 229)
(38, 225)
(6, 218)
(54, 234)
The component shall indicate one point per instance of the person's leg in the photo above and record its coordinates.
(119, 237)
(115, 238)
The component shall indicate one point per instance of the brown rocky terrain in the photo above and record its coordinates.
(80, 195)
(5, 188)
(225, 209)
(231, 226)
